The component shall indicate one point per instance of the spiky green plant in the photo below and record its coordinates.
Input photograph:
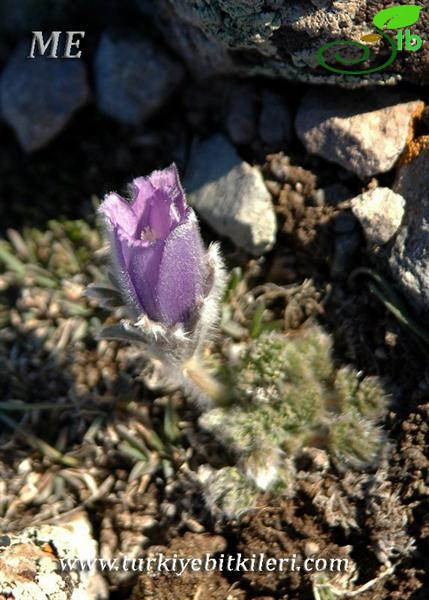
(42, 277)
(227, 489)
(286, 395)
(56, 264)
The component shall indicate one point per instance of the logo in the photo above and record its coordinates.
(395, 17)
(71, 47)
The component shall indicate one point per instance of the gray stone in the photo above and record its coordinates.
(365, 133)
(409, 256)
(380, 212)
(275, 121)
(241, 122)
(133, 77)
(231, 195)
(39, 96)
(280, 39)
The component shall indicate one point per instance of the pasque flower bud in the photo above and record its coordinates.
(169, 283)
(157, 248)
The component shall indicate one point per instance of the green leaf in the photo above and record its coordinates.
(397, 17)
(256, 325)
(132, 442)
(234, 280)
(10, 261)
(171, 426)
(106, 295)
(121, 334)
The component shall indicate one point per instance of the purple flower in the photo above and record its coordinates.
(158, 254)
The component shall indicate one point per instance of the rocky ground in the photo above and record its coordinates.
(319, 199)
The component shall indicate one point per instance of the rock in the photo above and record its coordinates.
(30, 563)
(280, 39)
(242, 113)
(39, 96)
(397, 224)
(380, 212)
(364, 133)
(231, 195)
(409, 256)
(133, 77)
(20, 18)
(275, 121)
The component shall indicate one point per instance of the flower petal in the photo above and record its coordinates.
(118, 254)
(142, 191)
(159, 202)
(118, 213)
(182, 272)
(168, 180)
(142, 263)
(160, 220)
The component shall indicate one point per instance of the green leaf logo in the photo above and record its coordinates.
(397, 17)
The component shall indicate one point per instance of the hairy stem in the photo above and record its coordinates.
(199, 376)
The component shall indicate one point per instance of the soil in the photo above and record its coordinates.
(116, 457)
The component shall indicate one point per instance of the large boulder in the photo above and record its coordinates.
(280, 38)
